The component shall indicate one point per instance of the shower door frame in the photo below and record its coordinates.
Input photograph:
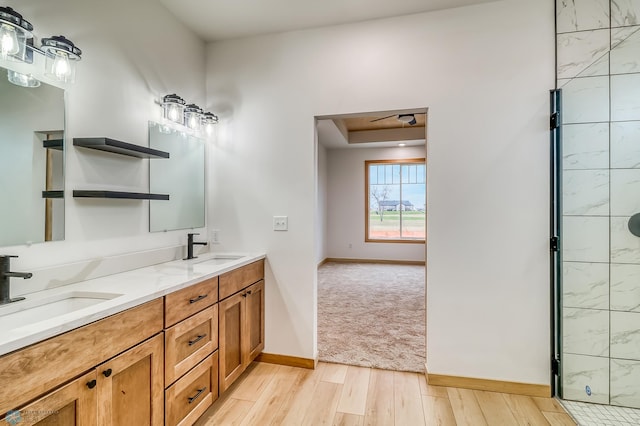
(555, 241)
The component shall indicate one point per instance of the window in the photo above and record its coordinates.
(396, 201)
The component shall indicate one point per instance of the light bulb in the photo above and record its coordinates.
(209, 129)
(193, 122)
(8, 41)
(174, 114)
(61, 66)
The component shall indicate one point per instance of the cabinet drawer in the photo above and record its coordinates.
(234, 281)
(189, 342)
(186, 302)
(188, 398)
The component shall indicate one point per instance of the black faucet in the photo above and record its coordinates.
(5, 275)
(190, 244)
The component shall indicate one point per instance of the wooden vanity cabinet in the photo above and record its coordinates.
(241, 322)
(120, 379)
(161, 363)
(191, 357)
(74, 404)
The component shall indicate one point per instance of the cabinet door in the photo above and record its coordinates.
(231, 339)
(130, 386)
(73, 404)
(255, 321)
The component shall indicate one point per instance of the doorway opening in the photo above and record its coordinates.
(371, 239)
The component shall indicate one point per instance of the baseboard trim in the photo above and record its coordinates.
(386, 261)
(291, 361)
(322, 262)
(516, 388)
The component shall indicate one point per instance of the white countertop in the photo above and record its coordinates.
(136, 287)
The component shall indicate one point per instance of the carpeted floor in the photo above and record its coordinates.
(372, 315)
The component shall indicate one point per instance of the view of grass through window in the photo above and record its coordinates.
(396, 200)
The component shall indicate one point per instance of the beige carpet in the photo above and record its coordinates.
(372, 315)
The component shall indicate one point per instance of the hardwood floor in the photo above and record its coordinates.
(335, 394)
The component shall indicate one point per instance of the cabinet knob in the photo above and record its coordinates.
(107, 372)
(244, 294)
(92, 384)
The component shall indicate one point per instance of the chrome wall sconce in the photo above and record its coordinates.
(175, 110)
(17, 44)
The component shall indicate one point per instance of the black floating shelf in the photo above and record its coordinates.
(121, 195)
(53, 144)
(118, 147)
(52, 194)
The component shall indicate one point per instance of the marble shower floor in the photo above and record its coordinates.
(587, 414)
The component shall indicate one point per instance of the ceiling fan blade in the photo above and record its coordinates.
(382, 118)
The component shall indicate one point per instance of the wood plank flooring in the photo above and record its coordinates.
(333, 394)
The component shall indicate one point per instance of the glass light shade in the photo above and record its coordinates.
(173, 108)
(14, 33)
(24, 80)
(8, 41)
(61, 57)
(59, 66)
(209, 120)
(193, 117)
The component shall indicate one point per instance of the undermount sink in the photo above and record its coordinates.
(25, 312)
(218, 260)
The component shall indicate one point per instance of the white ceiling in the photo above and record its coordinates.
(225, 19)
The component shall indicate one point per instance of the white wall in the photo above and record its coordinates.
(484, 73)
(322, 214)
(346, 203)
(133, 53)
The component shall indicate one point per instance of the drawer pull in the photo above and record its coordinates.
(197, 339)
(249, 292)
(92, 384)
(244, 294)
(197, 299)
(194, 397)
(107, 373)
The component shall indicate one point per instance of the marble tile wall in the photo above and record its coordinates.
(598, 69)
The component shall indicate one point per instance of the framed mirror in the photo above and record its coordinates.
(181, 176)
(31, 161)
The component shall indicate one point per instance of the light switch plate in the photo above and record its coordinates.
(280, 223)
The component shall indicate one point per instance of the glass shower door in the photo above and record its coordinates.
(599, 194)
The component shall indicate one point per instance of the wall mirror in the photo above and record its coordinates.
(31, 161)
(181, 176)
